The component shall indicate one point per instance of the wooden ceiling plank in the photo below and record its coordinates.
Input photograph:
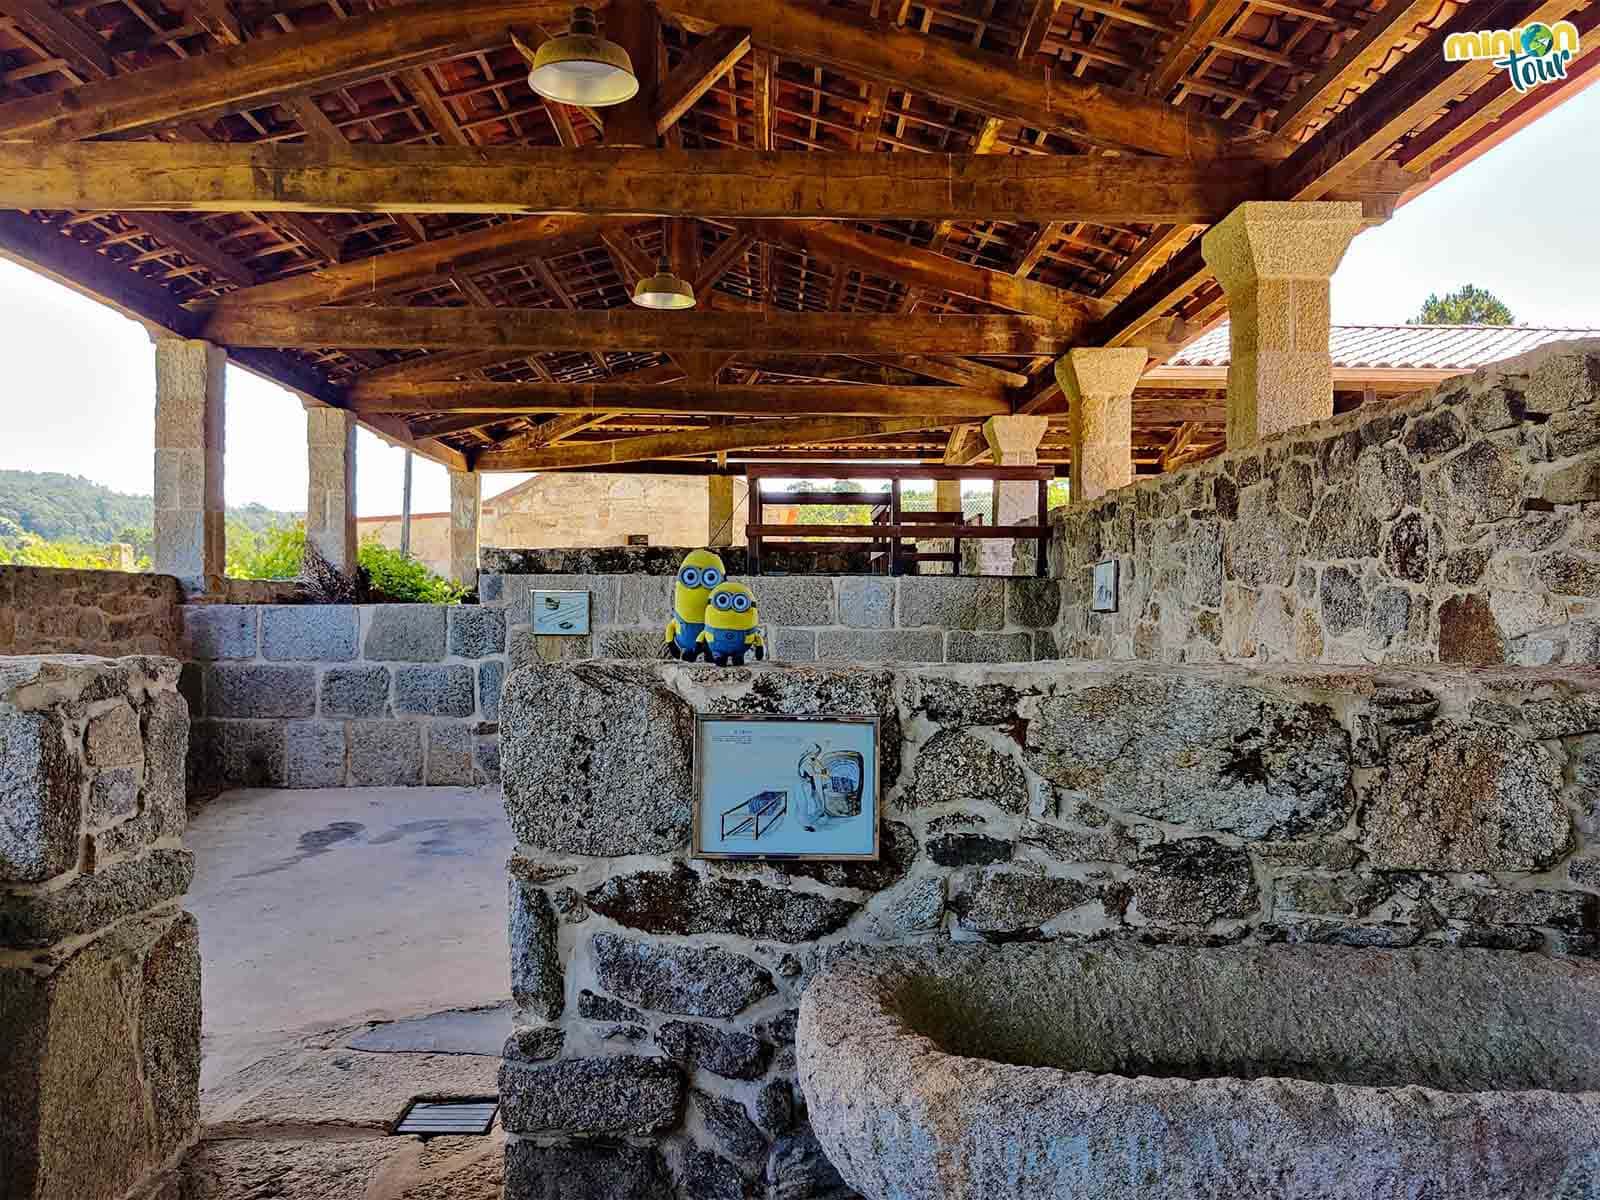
(530, 330)
(196, 246)
(477, 251)
(840, 243)
(1204, 28)
(268, 70)
(994, 85)
(1420, 86)
(1350, 67)
(63, 33)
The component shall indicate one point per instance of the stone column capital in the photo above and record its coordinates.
(1100, 371)
(1274, 260)
(1014, 441)
(1280, 239)
(1099, 383)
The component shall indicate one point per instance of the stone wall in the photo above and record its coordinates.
(1458, 526)
(847, 618)
(44, 610)
(339, 695)
(1074, 802)
(664, 560)
(99, 966)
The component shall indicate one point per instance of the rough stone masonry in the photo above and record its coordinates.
(99, 966)
(1460, 525)
(1066, 802)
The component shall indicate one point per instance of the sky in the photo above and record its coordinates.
(81, 379)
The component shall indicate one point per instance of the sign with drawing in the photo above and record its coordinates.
(561, 613)
(1103, 598)
(786, 787)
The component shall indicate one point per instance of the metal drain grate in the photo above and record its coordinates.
(435, 1118)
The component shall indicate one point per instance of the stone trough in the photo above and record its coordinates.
(1284, 1072)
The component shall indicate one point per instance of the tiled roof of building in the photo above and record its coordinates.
(1406, 347)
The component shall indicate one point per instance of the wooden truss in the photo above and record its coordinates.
(895, 214)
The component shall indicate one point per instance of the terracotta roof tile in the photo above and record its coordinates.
(1406, 347)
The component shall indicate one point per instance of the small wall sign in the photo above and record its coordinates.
(561, 613)
(786, 787)
(1104, 595)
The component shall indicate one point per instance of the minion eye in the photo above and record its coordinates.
(723, 601)
(741, 604)
(690, 577)
(711, 576)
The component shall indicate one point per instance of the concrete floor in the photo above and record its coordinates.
(323, 910)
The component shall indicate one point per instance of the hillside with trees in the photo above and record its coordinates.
(70, 508)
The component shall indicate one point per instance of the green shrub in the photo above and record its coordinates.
(402, 579)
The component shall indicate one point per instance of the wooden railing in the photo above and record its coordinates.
(890, 528)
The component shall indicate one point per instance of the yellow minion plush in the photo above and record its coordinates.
(730, 626)
(698, 573)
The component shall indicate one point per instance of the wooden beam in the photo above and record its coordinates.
(289, 177)
(993, 85)
(83, 49)
(716, 439)
(528, 330)
(722, 261)
(635, 25)
(965, 447)
(196, 246)
(1203, 29)
(1359, 57)
(435, 366)
(1418, 88)
(267, 71)
(701, 69)
(928, 269)
(415, 265)
(762, 69)
(1040, 17)
(802, 400)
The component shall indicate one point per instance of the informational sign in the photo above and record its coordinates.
(561, 613)
(1103, 599)
(785, 787)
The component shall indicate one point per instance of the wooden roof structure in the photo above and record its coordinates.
(896, 213)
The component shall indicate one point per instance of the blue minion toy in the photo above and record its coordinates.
(698, 573)
(730, 631)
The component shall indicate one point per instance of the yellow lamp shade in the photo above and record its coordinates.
(581, 67)
(664, 290)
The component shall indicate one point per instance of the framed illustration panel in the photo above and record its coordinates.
(1103, 598)
(786, 787)
(561, 613)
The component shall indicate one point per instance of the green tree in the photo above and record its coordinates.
(1467, 305)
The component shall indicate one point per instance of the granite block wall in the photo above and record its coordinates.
(44, 610)
(848, 618)
(307, 696)
(99, 964)
(1070, 802)
(1458, 526)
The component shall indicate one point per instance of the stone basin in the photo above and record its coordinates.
(1263, 1072)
